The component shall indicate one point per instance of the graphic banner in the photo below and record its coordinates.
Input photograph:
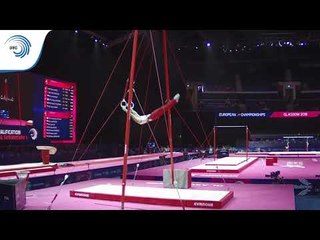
(300, 114)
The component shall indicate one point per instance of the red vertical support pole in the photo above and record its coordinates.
(6, 88)
(127, 133)
(166, 74)
(247, 142)
(19, 98)
(214, 143)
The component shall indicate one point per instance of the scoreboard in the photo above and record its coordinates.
(59, 115)
(42, 110)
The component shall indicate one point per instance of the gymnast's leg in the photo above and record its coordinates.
(156, 114)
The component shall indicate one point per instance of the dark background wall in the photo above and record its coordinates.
(75, 57)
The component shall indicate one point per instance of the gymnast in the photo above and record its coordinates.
(156, 114)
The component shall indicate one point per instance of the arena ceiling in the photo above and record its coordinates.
(185, 37)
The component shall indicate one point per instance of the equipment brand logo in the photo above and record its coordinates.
(77, 194)
(19, 45)
(202, 204)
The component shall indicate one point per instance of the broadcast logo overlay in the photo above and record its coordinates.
(20, 50)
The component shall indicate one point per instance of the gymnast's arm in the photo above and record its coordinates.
(134, 115)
